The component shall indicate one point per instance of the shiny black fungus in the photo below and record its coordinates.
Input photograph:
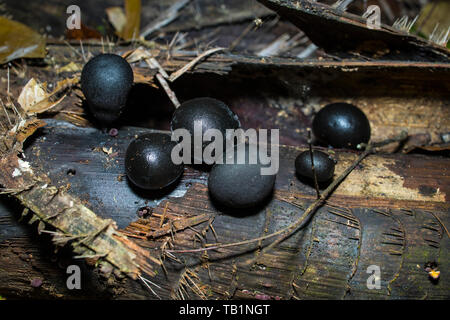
(148, 162)
(341, 125)
(212, 113)
(323, 165)
(106, 81)
(240, 185)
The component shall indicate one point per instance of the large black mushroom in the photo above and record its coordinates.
(106, 81)
(148, 162)
(240, 185)
(341, 125)
(212, 113)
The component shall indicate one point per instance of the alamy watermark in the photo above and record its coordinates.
(374, 280)
(74, 20)
(209, 147)
(74, 279)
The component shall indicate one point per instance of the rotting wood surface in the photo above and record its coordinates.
(346, 34)
(280, 93)
(388, 212)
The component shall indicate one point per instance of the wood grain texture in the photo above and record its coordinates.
(326, 259)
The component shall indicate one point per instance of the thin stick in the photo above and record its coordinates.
(165, 18)
(82, 51)
(7, 89)
(286, 232)
(103, 46)
(242, 35)
(6, 112)
(192, 63)
(313, 168)
(152, 63)
(73, 49)
(144, 281)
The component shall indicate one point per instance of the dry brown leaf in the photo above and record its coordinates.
(117, 18)
(83, 33)
(28, 128)
(137, 54)
(19, 41)
(32, 94)
(141, 77)
(70, 67)
(34, 97)
(175, 75)
(127, 24)
(133, 14)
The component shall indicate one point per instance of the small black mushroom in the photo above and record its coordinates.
(148, 162)
(240, 185)
(341, 125)
(106, 81)
(212, 113)
(323, 165)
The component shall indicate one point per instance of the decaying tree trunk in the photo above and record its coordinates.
(392, 211)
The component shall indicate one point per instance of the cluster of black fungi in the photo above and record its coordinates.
(106, 81)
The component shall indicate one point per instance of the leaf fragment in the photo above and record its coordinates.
(19, 41)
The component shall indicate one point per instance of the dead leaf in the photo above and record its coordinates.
(70, 67)
(83, 33)
(137, 54)
(27, 129)
(127, 25)
(117, 18)
(19, 41)
(133, 14)
(32, 94)
(144, 76)
(433, 19)
(34, 97)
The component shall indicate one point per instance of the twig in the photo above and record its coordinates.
(82, 51)
(293, 227)
(241, 36)
(6, 112)
(313, 168)
(147, 283)
(274, 47)
(166, 17)
(192, 63)
(160, 76)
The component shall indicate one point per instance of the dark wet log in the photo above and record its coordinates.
(342, 33)
(389, 212)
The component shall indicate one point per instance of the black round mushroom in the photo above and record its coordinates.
(323, 166)
(148, 162)
(212, 113)
(240, 185)
(106, 81)
(341, 125)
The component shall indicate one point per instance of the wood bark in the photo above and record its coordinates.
(389, 212)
